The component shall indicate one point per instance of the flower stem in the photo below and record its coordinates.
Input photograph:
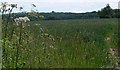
(19, 43)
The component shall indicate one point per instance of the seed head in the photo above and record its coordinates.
(14, 5)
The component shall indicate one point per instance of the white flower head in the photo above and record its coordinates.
(42, 17)
(3, 6)
(21, 20)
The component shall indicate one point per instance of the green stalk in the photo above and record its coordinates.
(5, 35)
(19, 43)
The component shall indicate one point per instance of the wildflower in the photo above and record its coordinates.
(51, 46)
(108, 38)
(41, 17)
(112, 51)
(26, 19)
(13, 5)
(21, 19)
(3, 6)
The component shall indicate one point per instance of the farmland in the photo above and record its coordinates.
(76, 43)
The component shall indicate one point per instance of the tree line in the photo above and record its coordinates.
(106, 12)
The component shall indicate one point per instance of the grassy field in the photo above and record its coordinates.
(77, 43)
(0, 43)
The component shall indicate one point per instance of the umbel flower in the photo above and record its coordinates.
(21, 20)
(13, 5)
(4, 6)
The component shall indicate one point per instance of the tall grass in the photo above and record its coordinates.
(64, 44)
(0, 42)
(84, 42)
(59, 43)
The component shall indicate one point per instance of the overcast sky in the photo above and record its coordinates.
(64, 5)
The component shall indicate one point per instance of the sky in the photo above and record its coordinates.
(77, 6)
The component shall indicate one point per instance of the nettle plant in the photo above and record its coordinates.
(21, 46)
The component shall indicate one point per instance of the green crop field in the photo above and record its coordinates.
(76, 43)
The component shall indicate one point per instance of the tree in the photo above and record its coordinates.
(116, 13)
(106, 12)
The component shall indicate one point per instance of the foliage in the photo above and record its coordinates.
(17, 39)
(57, 44)
(108, 12)
(58, 16)
(78, 43)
